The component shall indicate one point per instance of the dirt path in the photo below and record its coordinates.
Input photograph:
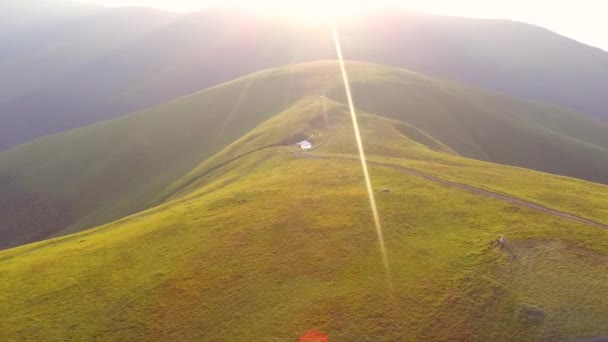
(474, 190)
(195, 178)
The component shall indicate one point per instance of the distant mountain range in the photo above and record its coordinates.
(94, 64)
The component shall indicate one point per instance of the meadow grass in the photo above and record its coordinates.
(272, 244)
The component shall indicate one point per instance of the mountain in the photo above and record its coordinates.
(39, 63)
(103, 172)
(259, 240)
(24, 22)
(65, 49)
(174, 55)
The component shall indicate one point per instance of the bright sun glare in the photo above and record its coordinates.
(311, 9)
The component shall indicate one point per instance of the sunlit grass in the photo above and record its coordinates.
(276, 243)
(361, 150)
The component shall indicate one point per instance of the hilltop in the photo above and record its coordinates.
(264, 241)
(100, 173)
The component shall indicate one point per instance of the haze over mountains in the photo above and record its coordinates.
(99, 63)
(22, 19)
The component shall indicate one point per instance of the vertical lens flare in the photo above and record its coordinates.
(353, 115)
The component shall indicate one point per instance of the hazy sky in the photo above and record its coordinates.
(584, 20)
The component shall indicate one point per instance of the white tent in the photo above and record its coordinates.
(305, 144)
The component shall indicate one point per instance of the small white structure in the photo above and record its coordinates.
(305, 144)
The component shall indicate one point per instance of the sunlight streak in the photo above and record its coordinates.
(237, 106)
(368, 182)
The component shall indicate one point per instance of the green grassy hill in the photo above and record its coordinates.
(265, 242)
(94, 175)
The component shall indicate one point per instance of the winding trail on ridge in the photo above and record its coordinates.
(472, 189)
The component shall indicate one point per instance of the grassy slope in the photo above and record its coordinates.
(100, 173)
(124, 164)
(490, 127)
(273, 244)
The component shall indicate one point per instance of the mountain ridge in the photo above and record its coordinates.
(183, 57)
(126, 165)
